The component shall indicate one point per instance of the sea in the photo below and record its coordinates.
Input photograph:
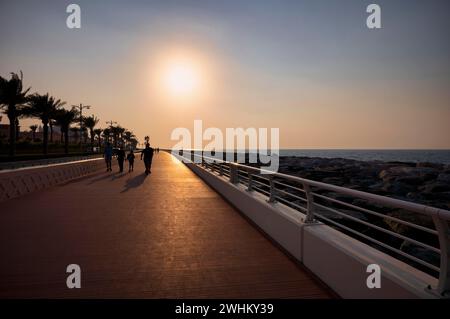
(414, 156)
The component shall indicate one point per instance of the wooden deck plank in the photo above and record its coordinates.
(167, 235)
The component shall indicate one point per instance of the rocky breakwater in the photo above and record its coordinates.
(423, 183)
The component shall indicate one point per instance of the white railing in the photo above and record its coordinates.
(322, 202)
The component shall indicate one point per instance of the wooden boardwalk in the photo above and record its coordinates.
(167, 235)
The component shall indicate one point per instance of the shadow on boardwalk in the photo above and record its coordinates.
(134, 182)
(112, 177)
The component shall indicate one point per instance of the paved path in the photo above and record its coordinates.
(167, 235)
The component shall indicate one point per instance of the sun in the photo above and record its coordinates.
(181, 76)
(181, 79)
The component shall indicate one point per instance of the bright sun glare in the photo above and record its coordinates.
(181, 79)
(181, 76)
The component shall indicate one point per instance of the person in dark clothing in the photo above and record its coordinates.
(108, 156)
(120, 158)
(147, 154)
(130, 158)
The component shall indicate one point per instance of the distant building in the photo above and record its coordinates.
(39, 134)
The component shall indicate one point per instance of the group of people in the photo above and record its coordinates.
(146, 155)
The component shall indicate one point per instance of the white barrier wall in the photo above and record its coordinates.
(18, 182)
(341, 262)
(337, 259)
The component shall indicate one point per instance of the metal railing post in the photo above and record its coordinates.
(250, 182)
(444, 245)
(234, 176)
(309, 204)
(272, 197)
(441, 217)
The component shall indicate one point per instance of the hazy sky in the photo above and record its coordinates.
(311, 68)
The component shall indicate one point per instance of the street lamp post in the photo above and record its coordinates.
(81, 107)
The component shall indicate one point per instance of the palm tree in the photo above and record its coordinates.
(33, 129)
(98, 132)
(61, 135)
(107, 133)
(90, 122)
(84, 135)
(43, 107)
(128, 136)
(12, 98)
(64, 118)
(51, 123)
(120, 131)
(18, 114)
(115, 133)
(133, 142)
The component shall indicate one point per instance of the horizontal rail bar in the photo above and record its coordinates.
(292, 195)
(420, 261)
(381, 229)
(397, 203)
(371, 212)
(290, 186)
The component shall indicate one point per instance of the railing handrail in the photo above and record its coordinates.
(440, 217)
(393, 202)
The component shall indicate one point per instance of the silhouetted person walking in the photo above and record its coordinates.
(147, 154)
(130, 158)
(120, 158)
(108, 156)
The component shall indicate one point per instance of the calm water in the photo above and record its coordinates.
(432, 156)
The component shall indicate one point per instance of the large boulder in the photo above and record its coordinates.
(444, 178)
(431, 165)
(424, 183)
(398, 189)
(436, 187)
(411, 174)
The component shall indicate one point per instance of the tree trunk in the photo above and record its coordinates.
(92, 137)
(45, 138)
(12, 134)
(17, 129)
(51, 132)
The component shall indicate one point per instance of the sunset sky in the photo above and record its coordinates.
(311, 68)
